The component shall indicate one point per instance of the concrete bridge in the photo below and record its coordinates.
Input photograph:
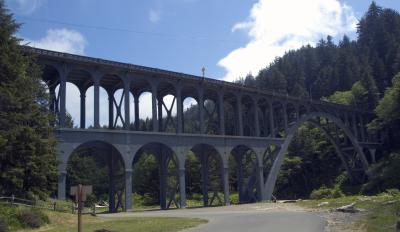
(233, 120)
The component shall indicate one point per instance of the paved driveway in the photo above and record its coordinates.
(244, 218)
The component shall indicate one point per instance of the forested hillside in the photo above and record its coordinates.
(350, 72)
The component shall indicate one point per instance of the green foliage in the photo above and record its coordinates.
(325, 192)
(27, 144)
(32, 218)
(3, 225)
(388, 114)
(386, 175)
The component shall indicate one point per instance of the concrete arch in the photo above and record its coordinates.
(273, 174)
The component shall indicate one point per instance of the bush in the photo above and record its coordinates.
(234, 198)
(32, 218)
(325, 192)
(3, 225)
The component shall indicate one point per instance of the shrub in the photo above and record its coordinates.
(393, 192)
(234, 198)
(3, 225)
(32, 218)
(325, 192)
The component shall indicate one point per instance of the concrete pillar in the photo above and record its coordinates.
(297, 112)
(372, 151)
(163, 179)
(225, 180)
(221, 113)
(110, 109)
(128, 189)
(83, 109)
(126, 107)
(260, 182)
(154, 106)
(239, 114)
(201, 109)
(179, 109)
(96, 98)
(111, 188)
(62, 177)
(62, 89)
(271, 119)
(182, 188)
(285, 118)
(137, 120)
(160, 114)
(239, 173)
(256, 120)
(204, 175)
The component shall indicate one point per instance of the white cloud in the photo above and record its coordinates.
(62, 40)
(154, 15)
(27, 6)
(276, 26)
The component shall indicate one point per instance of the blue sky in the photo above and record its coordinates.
(229, 38)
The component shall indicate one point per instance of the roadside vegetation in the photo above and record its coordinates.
(381, 211)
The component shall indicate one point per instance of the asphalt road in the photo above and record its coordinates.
(243, 219)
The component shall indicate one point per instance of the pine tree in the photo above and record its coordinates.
(28, 165)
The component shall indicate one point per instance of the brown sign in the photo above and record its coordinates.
(81, 191)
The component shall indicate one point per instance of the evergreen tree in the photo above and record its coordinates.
(28, 165)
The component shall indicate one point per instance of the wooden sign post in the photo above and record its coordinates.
(80, 192)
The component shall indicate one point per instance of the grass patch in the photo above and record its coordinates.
(64, 222)
(381, 209)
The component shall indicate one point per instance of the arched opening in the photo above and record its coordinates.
(319, 150)
(99, 164)
(72, 105)
(166, 107)
(204, 176)
(231, 124)
(111, 83)
(248, 110)
(211, 117)
(191, 122)
(243, 178)
(155, 177)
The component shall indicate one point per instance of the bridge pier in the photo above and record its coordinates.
(128, 189)
(61, 187)
(204, 175)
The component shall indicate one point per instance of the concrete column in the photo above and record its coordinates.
(372, 151)
(285, 118)
(239, 173)
(137, 120)
(62, 89)
(260, 182)
(126, 108)
(271, 118)
(256, 120)
(225, 178)
(128, 189)
(83, 109)
(204, 175)
(111, 188)
(221, 113)
(239, 114)
(110, 110)
(154, 106)
(62, 177)
(160, 114)
(96, 99)
(201, 109)
(182, 188)
(163, 180)
(297, 112)
(179, 109)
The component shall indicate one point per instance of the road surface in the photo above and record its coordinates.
(244, 218)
